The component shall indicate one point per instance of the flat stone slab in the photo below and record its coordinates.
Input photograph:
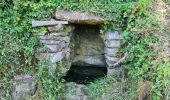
(78, 17)
(47, 23)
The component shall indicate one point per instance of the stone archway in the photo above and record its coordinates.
(79, 42)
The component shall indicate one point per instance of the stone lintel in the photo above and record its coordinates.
(77, 17)
(47, 23)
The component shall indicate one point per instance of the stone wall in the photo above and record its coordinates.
(77, 45)
(112, 45)
(55, 45)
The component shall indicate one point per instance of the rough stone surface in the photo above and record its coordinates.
(76, 92)
(78, 17)
(110, 51)
(1, 94)
(53, 57)
(47, 23)
(56, 28)
(56, 46)
(23, 87)
(111, 60)
(112, 43)
(49, 41)
(113, 35)
(93, 60)
(88, 47)
(118, 72)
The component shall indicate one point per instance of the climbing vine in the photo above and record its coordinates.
(18, 43)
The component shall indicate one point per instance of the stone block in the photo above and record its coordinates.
(118, 72)
(49, 41)
(110, 51)
(56, 38)
(52, 57)
(61, 34)
(90, 60)
(57, 57)
(111, 60)
(23, 87)
(47, 23)
(52, 48)
(56, 28)
(112, 43)
(78, 17)
(113, 36)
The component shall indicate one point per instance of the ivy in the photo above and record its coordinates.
(18, 43)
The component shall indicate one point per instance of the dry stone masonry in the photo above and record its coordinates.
(74, 39)
(112, 44)
(56, 44)
(78, 43)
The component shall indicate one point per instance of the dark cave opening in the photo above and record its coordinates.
(85, 74)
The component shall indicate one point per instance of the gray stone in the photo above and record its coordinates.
(56, 38)
(87, 47)
(66, 39)
(78, 17)
(68, 29)
(47, 37)
(1, 94)
(63, 45)
(47, 23)
(93, 60)
(52, 57)
(56, 47)
(110, 51)
(56, 28)
(57, 57)
(24, 86)
(111, 60)
(118, 71)
(113, 35)
(76, 91)
(53, 47)
(67, 56)
(49, 42)
(112, 43)
(60, 34)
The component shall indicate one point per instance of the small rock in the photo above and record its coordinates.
(23, 87)
(53, 57)
(111, 60)
(110, 51)
(57, 57)
(56, 28)
(53, 48)
(112, 43)
(49, 41)
(61, 34)
(113, 35)
(90, 60)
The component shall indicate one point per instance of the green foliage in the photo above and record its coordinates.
(140, 42)
(18, 43)
(50, 85)
(99, 89)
